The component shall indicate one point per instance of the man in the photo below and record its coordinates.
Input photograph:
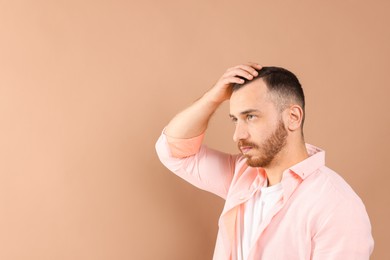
(282, 202)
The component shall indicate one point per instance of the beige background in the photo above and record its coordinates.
(87, 86)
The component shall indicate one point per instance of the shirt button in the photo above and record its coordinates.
(242, 197)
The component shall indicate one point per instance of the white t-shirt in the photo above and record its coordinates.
(256, 210)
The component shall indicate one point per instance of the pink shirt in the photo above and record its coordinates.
(318, 217)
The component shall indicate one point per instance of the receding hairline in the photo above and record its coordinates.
(280, 100)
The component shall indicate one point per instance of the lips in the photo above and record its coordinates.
(246, 146)
(245, 149)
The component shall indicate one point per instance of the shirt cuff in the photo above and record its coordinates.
(184, 147)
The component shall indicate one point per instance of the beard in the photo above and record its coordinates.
(267, 151)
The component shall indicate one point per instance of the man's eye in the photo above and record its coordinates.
(250, 117)
(234, 120)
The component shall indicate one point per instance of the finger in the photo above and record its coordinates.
(240, 72)
(249, 69)
(232, 80)
(255, 65)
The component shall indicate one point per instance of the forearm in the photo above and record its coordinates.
(193, 120)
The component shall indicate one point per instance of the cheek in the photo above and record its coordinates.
(259, 130)
(258, 134)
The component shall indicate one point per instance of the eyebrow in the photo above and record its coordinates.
(245, 112)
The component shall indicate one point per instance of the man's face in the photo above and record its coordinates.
(260, 132)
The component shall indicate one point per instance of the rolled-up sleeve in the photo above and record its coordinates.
(199, 165)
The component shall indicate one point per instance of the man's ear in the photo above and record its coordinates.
(294, 117)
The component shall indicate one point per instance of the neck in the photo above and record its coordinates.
(288, 157)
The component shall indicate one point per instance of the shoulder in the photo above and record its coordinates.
(331, 186)
(332, 200)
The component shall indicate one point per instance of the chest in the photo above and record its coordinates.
(285, 232)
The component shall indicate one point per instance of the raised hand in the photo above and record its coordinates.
(222, 90)
(193, 120)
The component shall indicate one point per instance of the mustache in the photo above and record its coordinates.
(242, 143)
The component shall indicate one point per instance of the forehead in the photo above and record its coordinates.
(254, 95)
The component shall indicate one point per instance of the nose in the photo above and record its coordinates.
(240, 133)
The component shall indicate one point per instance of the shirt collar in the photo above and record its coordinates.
(315, 160)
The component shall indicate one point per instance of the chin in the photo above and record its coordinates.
(257, 161)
